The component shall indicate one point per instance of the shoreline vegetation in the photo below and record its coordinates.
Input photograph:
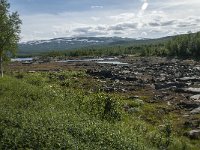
(52, 110)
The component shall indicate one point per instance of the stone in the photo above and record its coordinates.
(191, 123)
(193, 134)
(191, 90)
(188, 105)
(168, 85)
(197, 68)
(169, 104)
(130, 109)
(195, 111)
(101, 73)
(187, 79)
(195, 98)
(133, 97)
(31, 71)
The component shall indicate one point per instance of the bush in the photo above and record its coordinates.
(35, 79)
(33, 117)
(103, 106)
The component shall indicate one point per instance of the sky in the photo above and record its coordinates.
(47, 19)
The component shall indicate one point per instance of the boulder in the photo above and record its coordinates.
(193, 134)
(192, 123)
(169, 84)
(189, 79)
(195, 98)
(102, 73)
(189, 90)
(188, 105)
(195, 111)
(130, 109)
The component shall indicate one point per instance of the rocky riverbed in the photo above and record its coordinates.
(175, 82)
(162, 77)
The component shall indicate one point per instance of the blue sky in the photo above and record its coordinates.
(45, 19)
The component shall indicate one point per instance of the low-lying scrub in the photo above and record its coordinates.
(39, 111)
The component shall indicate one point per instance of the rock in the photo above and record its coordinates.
(126, 72)
(31, 71)
(191, 123)
(193, 134)
(133, 97)
(197, 68)
(187, 79)
(130, 109)
(195, 98)
(109, 89)
(152, 86)
(169, 104)
(139, 101)
(133, 110)
(106, 73)
(102, 73)
(190, 90)
(188, 105)
(169, 84)
(130, 78)
(195, 111)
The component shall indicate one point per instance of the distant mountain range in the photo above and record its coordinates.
(60, 44)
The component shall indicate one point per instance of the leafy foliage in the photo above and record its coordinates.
(184, 46)
(9, 28)
(9, 31)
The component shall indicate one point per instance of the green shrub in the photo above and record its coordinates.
(35, 79)
(53, 117)
(103, 106)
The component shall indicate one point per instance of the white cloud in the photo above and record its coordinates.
(144, 6)
(95, 18)
(144, 34)
(151, 19)
(96, 6)
(123, 17)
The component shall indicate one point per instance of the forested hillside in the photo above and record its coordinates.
(101, 45)
(185, 46)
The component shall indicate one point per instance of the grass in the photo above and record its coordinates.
(54, 111)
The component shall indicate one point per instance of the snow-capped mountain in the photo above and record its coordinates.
(69, 43)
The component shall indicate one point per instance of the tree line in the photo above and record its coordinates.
(182, 46)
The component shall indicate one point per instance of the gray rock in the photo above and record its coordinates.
(133, 110)
(192, 90)
(139, 101)
(195, 111)
(195, 98)
(187, 79)
(194, 134)
(133, 97)
(169, 84)
(188, 105)
(197, 67)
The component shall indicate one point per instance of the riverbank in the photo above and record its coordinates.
(146, 103)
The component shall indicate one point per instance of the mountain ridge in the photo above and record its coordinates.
(70, 43)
